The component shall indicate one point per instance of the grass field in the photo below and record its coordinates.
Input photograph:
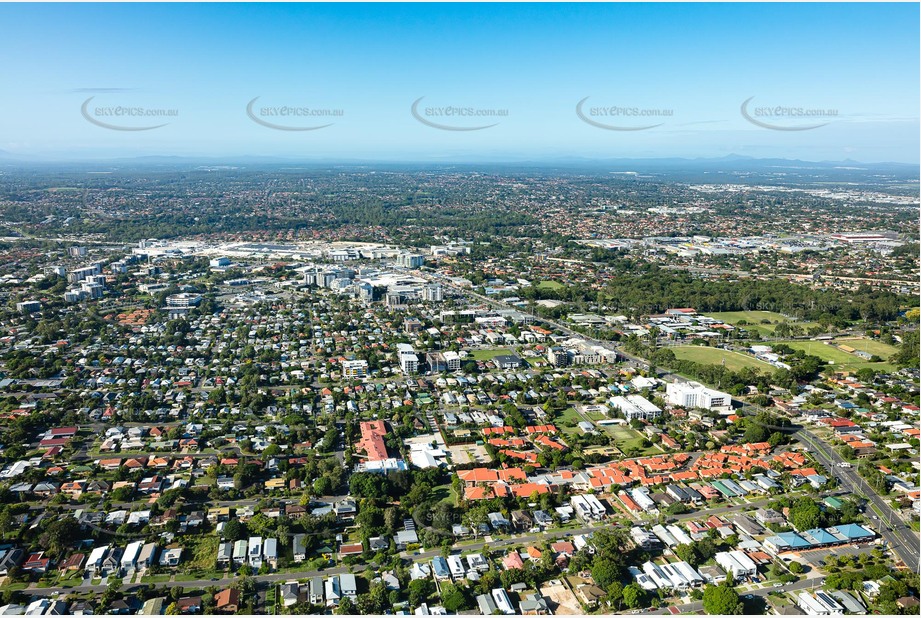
(205, 553)
(734, 361)
(628, 438)
(871, 346)
(568, 421)
(445, 493)
(754, 320)
(69, 582)
(621, 432)
(839, 359)
(550, 285)
(485, 355)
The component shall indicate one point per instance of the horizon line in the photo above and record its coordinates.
(573, 160)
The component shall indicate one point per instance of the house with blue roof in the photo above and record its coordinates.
(733, 487)
(817, 480)
(786, 541)
(440, 568)
(821, 537)
(818, 537)
(854, 532)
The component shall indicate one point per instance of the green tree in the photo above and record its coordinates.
(323, 486)
(805, 514)
(453, 598)
(420, 590)
(111, 592)
(234, 530)
(367, 485)
(346, 607)
(271, 450)
(721, 600)
(605, 572)
(686, 552)
(633, 596)
(616, 594)
(61, 533)
(378, 599)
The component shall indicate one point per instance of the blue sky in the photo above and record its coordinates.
(695, 62)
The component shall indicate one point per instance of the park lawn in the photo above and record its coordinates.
(870, 346)
(485, 355)
(627, 438)
(568, 420)
(445, 493)
(839, 359)
(550, 285)
(734, 361)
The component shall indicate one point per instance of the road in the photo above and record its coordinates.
(421, 556)
(191, 584)
(557, 325)
(902, 539)
(631, 360)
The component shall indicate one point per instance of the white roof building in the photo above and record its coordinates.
(696, 395)
(635, 407)
(132, 551)
(737, 563)
(503, 603)
(96, 557)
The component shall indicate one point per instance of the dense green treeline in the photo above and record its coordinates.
(643, 289)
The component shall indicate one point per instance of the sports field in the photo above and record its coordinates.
(871, 346)
(734, 361)
(840, 359)
(627, 438)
